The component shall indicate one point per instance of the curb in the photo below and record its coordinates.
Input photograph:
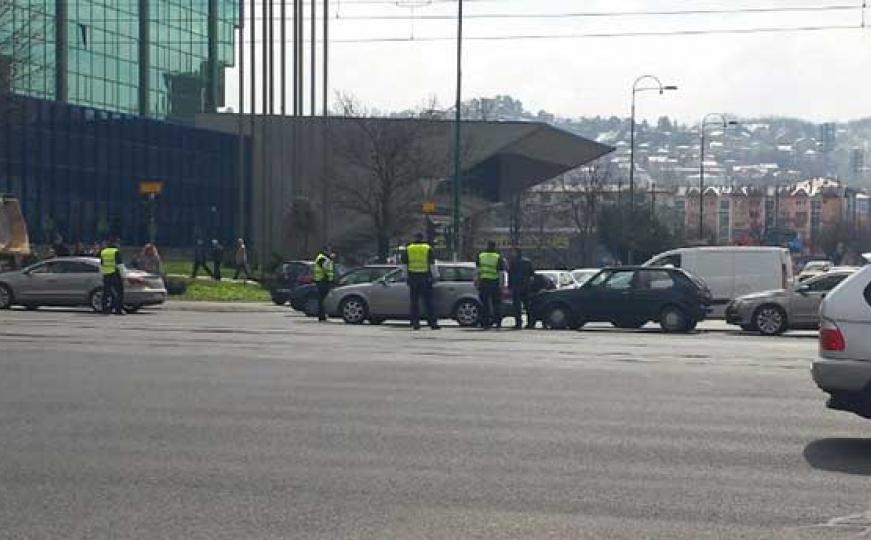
(224, 307)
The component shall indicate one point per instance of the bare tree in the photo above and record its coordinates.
(382, 163)
(583, 192)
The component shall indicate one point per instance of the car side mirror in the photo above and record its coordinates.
(803, 290)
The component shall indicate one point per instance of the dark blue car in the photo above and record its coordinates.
(628, 297)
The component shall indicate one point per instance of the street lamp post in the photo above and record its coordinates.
(659, 87)
(457, 187)
(702, 126)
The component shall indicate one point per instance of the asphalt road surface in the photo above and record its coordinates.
(238, 425)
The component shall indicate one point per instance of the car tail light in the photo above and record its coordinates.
(304, 280)
(136, 281)
(831, 337)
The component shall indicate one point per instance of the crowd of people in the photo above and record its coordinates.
(418, 258)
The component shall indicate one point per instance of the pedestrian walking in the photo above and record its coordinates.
(520, 274)
(113, 287)
(217, 259)
(241, 260)
(149, 260)
(324, 277)
(490, 264)
(200, 256)
(418, 259)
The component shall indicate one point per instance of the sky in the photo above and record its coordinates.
(820, 75)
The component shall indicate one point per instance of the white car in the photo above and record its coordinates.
(561, 279)
(813, 269)
(583, 275)
(843, 367)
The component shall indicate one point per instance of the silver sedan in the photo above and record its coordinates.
(774, 312)
(75, 281)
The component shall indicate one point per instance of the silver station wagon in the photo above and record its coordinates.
(455, 297)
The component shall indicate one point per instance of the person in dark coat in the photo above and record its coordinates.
(200, 256)
(520, 275)
(217, 259)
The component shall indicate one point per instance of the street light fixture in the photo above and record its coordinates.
(724, 123)
(661, 88)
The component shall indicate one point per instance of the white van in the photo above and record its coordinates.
(732, 271)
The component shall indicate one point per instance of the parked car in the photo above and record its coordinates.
(75, 281)
(456, 297)
(813, 269)
(305, 297)
(583, 275)
(288, 276)
(560, 278)
(628, 297)
(731, 271)
(843, 367)
(774, 312)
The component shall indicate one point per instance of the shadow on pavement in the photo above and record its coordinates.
(851, 456)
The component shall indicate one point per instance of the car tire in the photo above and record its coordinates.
(467, 313)
(674, 319)
(748, 327)
(279, 300)
(6, 297)
(560, 317)
(354, 310)
(629, 324)
(95, 300)
(310, 308)
(770, 320)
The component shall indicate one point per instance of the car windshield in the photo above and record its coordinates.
(582, 276)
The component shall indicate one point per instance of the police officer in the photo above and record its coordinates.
(520, 274)
(418, 257)
(324, 276)
(113, 288)
(489, 264)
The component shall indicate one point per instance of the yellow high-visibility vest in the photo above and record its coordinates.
(418, 258)
(488, 265)
(109, 261)
(324, 270)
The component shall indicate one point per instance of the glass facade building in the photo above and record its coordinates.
(158, 58)
(77, 172)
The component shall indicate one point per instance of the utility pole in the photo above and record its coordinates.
(457, 186)
(326, 57)
(313, 60)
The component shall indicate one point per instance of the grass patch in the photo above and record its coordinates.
(223, 291)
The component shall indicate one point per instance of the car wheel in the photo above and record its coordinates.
(674, 319)
(132, 309)
(468, 313)
(5, 297)
(770, 320)
(748, 327)
(354, 310)
(560, 317)
(311, 306)
(279, 300)
(629, 324)
(96, 300)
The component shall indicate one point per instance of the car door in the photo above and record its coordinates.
(805, 300)
(610, 301)
(76, 280)
(390, 296)
(650, 290)
(453, 282)
(42, 284)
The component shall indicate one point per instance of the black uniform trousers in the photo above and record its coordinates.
(520, 299)
(323, 289)
(113, 293)
(420, 286)
(488, 292)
